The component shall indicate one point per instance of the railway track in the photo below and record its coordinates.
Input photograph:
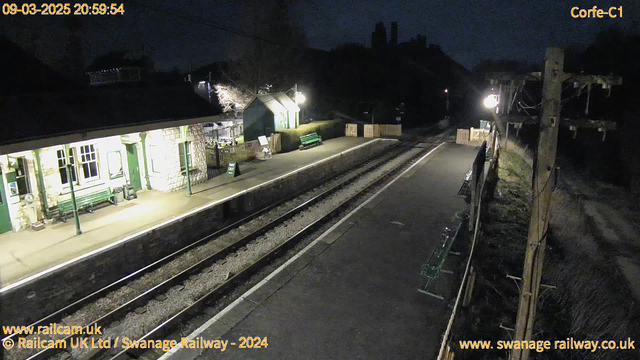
(268, 220)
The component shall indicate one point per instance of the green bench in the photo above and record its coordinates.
(84, 202)
(309, 140)
(432, 269)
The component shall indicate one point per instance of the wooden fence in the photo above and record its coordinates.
(220, 157)
(474, 136)
(378, 130)
(351, 130)
(480, 190)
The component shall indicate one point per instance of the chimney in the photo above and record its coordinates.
(394, 34)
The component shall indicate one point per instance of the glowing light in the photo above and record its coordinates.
(446, 91)
(300, 98)
(491, 101)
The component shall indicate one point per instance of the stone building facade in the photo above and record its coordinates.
(34, 181)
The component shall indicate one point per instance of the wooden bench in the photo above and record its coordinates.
(84, 202)
(432, 269)
(309, 140)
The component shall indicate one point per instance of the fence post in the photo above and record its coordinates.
(217, 151)
(468, 293)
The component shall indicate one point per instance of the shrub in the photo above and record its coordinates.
(327, 129)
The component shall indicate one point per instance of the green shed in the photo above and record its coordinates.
(268, 113)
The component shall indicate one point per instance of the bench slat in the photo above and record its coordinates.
(310, 139)
(84, 201)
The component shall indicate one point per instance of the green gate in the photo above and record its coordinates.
(134, 168)
(5, 220)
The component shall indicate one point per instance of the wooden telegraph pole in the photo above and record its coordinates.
(545, 163)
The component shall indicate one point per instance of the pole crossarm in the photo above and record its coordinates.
(579, 123)
(608, 80)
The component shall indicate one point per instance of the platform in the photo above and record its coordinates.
(352, 293)
(27, 253)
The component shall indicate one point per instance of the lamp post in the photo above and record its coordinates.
(446, 93)
(299, 99)
(184, 130)
(73, 195)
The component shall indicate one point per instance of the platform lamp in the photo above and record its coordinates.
(184, 130)
(69, 168)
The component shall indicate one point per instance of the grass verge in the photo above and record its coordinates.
(592, 300)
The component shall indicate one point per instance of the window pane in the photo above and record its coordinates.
(93, 166)
(181, 153)
(63, 176)
(85, 170)
(22, 186)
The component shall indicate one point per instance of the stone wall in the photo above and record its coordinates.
(164, 153)
(58, 288)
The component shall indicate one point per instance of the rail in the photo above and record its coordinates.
(369, 164)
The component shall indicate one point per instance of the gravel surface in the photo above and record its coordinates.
(135, 324)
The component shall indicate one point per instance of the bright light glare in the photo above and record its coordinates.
(300, 99)
(491, 101)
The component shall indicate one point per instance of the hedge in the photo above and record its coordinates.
(327, 129)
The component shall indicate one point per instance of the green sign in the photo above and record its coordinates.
(233, 169)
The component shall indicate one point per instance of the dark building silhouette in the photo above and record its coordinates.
(394, 34)
(379, 37)
(419, 41)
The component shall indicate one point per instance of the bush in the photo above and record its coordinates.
(327, 129)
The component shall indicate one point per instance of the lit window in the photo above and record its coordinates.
(181, 152)
(62, 167)
(114, 161)
(22, 177)
(89, 161)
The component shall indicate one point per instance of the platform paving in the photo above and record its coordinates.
(26, 253)
(352, 294)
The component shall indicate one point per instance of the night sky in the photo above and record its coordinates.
(468, 31)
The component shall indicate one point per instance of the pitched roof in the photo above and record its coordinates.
(48, 115)
(277, 102)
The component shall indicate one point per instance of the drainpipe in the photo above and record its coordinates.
(43, 191)
(73, 194)
(143, 137)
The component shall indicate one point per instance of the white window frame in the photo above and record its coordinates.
(89, 155)
(24, 175)
(183, 167)
(74, 167)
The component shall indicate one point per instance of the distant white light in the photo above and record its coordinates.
(300, 98)
(446, 91)
(201, 82)
(491, 101)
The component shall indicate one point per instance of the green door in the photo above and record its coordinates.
(5, 220)
(134, 168)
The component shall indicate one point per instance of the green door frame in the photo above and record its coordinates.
(5, 218)
(134, 166)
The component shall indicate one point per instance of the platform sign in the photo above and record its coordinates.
(233, 169)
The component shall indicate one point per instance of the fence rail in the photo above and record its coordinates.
(479, 180)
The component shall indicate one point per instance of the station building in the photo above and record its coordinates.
(113, 137)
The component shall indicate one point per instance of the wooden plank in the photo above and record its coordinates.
(351, 130)
(462, 136)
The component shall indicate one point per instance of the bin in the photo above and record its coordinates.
(119, 194)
